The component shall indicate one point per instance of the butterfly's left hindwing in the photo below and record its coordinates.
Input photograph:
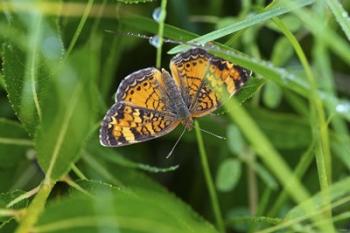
(125, 124)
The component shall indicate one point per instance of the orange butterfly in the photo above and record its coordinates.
(151, 103)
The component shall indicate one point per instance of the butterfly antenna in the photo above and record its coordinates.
(165, 40)
(212, 134)
(131, 34)
(178, 140)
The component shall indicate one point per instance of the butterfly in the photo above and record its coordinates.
(150, 103)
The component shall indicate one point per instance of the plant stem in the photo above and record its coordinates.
(35, 208)
(209, 180)
(161, 32)
(77, 172)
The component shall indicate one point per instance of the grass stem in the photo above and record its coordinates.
(209, 180)
(161, 32)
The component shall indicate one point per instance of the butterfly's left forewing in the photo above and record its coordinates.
(141, 111)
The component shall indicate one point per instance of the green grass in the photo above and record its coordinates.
(283, 168)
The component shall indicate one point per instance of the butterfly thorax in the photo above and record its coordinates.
(177, 103)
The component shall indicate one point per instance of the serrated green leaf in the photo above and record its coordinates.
(114, 209)
(68, 114)
(24, 67)
(228, 175)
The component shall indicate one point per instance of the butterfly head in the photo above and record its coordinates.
(188, 123)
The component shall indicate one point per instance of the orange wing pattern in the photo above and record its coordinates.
(143, 88)
(125, 124)
(205, 80)
(141, 110)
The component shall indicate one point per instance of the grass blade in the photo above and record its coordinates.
(247, 22)
(209, 180)
(340, 15)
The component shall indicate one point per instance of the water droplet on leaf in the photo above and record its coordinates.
(154, 41)
(156, 14)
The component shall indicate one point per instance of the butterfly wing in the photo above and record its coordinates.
(125, 124)
(141, 111)
(207, 81)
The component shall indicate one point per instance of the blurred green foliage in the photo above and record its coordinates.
(283, 168)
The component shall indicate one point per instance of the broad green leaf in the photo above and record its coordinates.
(24, 67)
(68, 114)
(228, 175)
(117, 209)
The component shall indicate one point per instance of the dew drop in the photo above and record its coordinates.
(345, 14)
(154, 41)
(156, 14)
(343, 108)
